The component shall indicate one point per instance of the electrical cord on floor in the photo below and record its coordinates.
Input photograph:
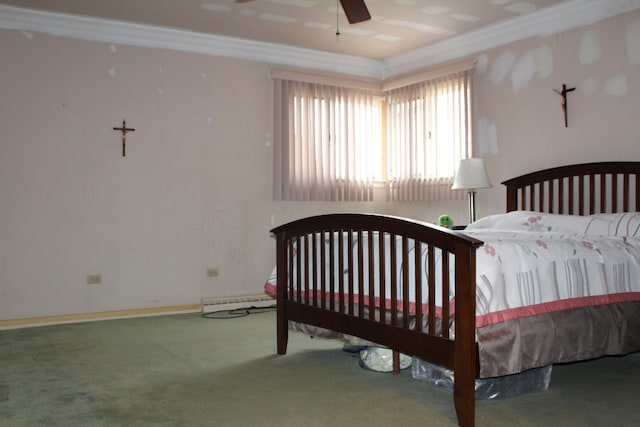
(238, 312)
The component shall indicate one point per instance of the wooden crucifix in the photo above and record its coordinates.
(124, 129)
(563, 94)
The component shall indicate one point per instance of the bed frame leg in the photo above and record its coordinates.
(465, 403)
(396, 363)
(282, 326)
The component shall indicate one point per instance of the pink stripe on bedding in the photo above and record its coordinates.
(552, 306)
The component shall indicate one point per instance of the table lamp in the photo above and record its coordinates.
(471, 175)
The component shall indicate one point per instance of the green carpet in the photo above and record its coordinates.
(185, 370)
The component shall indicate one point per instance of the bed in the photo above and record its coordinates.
(447, 297)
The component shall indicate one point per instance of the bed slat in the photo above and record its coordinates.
(350, 266)
(405, 282)
(372, 272)
(394, 281)
(445, 296)
(432, 291)
(417, 260)
(382, 276)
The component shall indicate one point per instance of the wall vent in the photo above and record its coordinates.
(233, 303)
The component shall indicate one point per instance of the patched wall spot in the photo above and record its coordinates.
(616, 86)
(589, 51)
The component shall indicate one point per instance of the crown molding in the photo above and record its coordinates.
(118, 32)
(551, 20)
(547, 21)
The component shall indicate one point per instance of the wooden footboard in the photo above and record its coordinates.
(386, 280)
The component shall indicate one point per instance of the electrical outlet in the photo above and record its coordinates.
(213, 272)
(94, 279)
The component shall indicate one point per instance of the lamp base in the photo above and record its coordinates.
(472, 206)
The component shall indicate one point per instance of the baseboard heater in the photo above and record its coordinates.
(233, 303)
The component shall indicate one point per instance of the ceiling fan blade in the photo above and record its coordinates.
(355, 10)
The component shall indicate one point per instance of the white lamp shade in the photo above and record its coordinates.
(471, 174)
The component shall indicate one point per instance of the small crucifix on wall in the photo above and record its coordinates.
(563, 94)
(124, 129)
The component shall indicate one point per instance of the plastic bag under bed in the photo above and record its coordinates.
(532, 380)
(380, 359)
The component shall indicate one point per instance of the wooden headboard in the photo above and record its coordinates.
(582, 189)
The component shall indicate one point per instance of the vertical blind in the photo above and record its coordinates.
(429, 131)
(321, 142)
(328, 143)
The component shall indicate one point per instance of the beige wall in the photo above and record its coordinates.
(194, 190)
(191, 193)
(519, 122)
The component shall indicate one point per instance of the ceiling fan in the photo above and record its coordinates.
(356, 10)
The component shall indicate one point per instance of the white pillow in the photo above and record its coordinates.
(619, 224)
(532, 221)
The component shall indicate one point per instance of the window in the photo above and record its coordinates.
(428, 133)
(329, 142)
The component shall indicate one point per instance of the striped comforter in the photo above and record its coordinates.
(535, 263)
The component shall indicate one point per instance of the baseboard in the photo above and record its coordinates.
(102, 315)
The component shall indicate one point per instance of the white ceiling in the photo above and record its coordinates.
(396, 27)
(402, 35)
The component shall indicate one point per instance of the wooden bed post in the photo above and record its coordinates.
(465, 361)
(282, 325)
